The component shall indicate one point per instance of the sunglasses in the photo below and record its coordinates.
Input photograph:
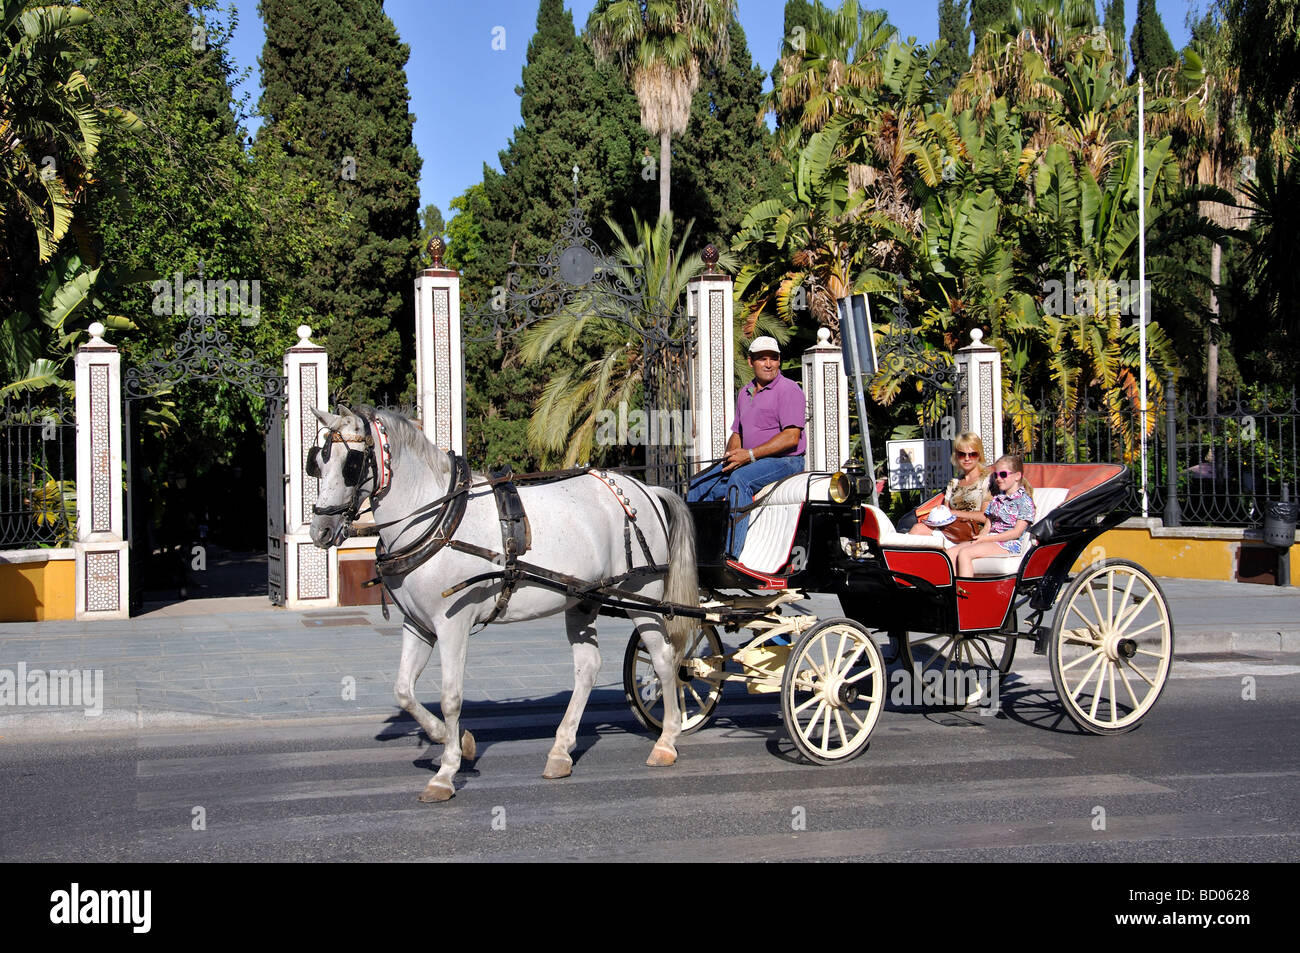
(967, 453)
(1003, 474)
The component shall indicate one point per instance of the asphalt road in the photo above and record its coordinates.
(1209, 776)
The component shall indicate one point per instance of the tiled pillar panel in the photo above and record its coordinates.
(982, 402)
(713, 403)
(826, 389)
(311, 575)
(102, 566)
(439, 360)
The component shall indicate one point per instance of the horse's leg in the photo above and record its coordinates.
(453, 644)
(586, 666)
(651, 629)
(415, 656)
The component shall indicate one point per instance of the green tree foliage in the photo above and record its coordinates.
(1113, 24)
(431, 226)
(343, 61)
(1152, 49)
(954, 58)
(1266, 49)
(986, 15)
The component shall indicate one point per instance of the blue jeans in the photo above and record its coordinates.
(713, 484)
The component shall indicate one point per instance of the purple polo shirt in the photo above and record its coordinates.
(762, 413)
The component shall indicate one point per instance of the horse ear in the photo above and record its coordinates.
(330, 421)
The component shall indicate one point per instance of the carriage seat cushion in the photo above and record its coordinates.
(773, 522)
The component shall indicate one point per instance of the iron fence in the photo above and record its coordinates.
(38, 464)
(1217, 466)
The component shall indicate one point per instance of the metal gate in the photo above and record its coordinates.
(576, 277)
(204, 352)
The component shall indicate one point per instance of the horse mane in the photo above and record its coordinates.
(406, 437)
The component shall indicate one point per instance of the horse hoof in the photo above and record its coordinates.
(468, 750)
(436, 791)
(661, 757)
(558, 766)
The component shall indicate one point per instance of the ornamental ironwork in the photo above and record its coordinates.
(904, 356)
(203, 352)
(576, 277)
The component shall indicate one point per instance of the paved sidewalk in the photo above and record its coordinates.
(214, 661)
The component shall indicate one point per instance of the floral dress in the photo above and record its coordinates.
(1003, 511)
(966, 498)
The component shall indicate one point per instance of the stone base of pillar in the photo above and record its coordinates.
(102, 580)
(310, 574)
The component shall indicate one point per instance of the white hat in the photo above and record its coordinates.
(763, 344)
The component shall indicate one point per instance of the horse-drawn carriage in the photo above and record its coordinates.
(600, 543)
(1109, 644)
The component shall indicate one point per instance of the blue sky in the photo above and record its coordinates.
(462, 89)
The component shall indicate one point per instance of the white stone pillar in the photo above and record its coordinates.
(826, 390)
(713, 373)
(981, 408)
(103, 571)
(311, 575)
(439, 359)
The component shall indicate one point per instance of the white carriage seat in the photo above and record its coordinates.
(772, 523)
(1045, 499)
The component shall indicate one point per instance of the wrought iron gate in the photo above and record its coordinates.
(204, 352)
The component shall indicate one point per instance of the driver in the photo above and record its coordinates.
(767, 439)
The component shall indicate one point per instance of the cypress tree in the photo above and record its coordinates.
(343, 62)
(955, 59)
(1152, 49)
(988, 15)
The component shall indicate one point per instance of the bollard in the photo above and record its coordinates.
(1279, 531)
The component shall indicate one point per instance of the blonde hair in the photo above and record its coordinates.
(971, 441)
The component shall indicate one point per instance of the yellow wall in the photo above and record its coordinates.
(1181, 557)
(33, 592)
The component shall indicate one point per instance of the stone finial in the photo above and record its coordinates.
(976, 335)
(304, 335)
(823, 337)
(96, 330)
(436, 249)
(710, 257)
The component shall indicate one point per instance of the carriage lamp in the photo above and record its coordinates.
(840, 487)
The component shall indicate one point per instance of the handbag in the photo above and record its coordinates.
(959, 531)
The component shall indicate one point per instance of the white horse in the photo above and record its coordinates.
(579, 527)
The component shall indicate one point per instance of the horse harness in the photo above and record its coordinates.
(445, 515)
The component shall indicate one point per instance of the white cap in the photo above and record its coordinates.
(760, 345)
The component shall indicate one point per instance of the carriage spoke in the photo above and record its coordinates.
(983, 648)
(1087, 676)
(1141, 674)
(1146, 628)
(1128, 619)
(839, 723)
(811, 701)
(1124, 678)
(1114, 709)
(1101, 681)
(1082, 658)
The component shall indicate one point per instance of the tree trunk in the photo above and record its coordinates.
(1212, 353)
(665, 170)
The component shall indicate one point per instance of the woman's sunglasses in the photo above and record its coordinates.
(967, 453)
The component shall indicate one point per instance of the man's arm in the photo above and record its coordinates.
(782, 443)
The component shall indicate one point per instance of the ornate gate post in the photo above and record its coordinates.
(439, 361)
(981, 405)
(102, 566)
(713, 374)
(826, 388)
(311, 574)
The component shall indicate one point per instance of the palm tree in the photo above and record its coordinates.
(658, 45)
(624, 333)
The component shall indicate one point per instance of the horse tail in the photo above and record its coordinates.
(683, 584)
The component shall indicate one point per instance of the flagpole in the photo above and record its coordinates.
(1142, 278)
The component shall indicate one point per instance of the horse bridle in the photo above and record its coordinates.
(359, 467)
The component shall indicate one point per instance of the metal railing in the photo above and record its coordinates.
(1216, 466)
(38, 469)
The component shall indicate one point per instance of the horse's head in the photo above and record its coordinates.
(344, 463)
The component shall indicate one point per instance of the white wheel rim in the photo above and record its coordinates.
(696, 698)
(1101, 682)
(838, 657)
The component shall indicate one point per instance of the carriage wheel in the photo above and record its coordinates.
(698, 697)
(833, 691)
(956, 669)
(1111, 646)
